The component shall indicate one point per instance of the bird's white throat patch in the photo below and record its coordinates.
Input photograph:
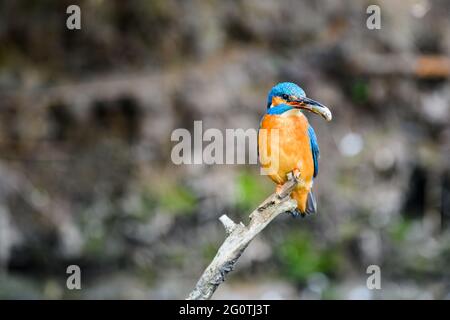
(292, 112)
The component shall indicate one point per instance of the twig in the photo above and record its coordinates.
(239, 237)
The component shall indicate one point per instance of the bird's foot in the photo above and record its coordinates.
(296, 173)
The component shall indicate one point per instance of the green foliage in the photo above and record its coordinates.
(147, 274)
(399, 230)
(209, 251)
(330, 293)
(147, 205)
(360, 91)
(95, 243)
(178, 200)
(301, 258)
(251, 191)
(177, 257)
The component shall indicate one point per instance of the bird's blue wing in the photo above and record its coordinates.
(314, 149)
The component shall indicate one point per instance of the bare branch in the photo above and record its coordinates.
(239, 237)
(227, 223)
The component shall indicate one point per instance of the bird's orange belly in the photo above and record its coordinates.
(291, 150)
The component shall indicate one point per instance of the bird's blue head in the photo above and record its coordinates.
(283, 90)
(287, 95)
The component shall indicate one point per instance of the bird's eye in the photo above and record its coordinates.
(285, 97)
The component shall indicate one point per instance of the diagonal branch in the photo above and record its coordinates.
(239, 237)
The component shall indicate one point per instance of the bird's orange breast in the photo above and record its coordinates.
(292, 150)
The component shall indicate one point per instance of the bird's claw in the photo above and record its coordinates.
(296, 173)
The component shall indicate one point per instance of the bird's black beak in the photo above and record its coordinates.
(313, 106)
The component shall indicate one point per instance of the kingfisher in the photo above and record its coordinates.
(296, 145)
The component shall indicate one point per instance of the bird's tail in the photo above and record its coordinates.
(306, 202)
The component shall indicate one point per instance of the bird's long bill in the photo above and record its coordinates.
(313, 106)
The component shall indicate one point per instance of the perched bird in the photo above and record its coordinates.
(296, 147)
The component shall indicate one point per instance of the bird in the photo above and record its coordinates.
(296, 148)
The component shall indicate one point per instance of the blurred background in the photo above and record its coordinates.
(86, 176)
